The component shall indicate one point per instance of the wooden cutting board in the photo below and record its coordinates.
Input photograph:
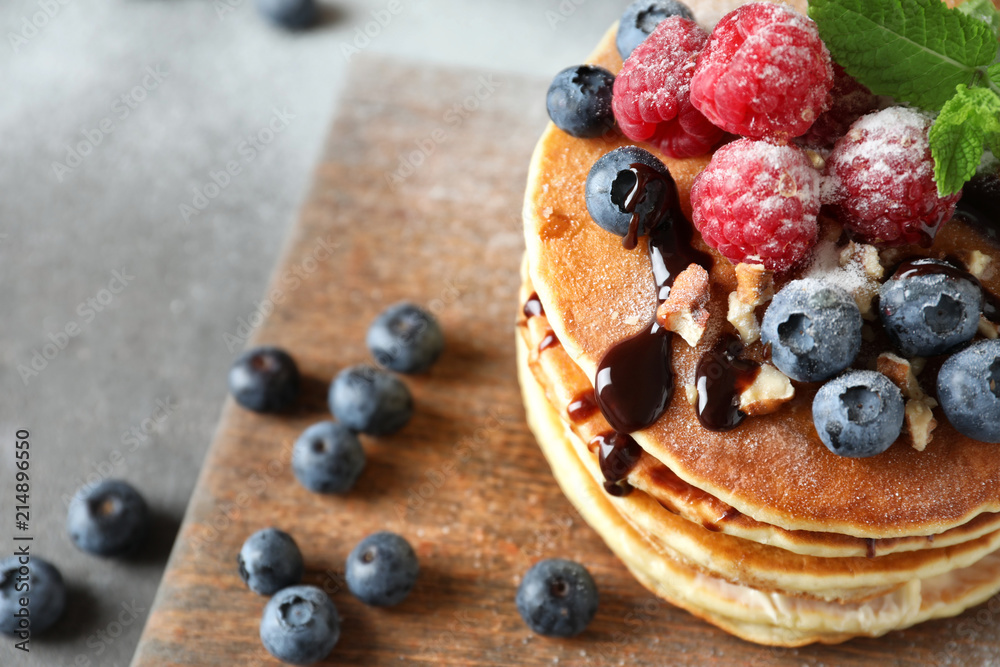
(418, 197)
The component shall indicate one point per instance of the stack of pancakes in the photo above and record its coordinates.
(760, 530)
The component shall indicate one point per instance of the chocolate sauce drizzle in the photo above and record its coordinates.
(618, 455)
(635, 380)
(533, 306)
(550, 340)
(582, 407)
(721, 376)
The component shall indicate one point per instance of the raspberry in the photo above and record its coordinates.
(849, 101)
(757, 202)
(765, 73)
(652, 92)
(881, 180)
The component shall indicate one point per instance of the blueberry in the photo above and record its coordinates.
(366, 399)
(813, 328)
(328, 458)
(641, 18)
(300, 625)
(858, 414)
(269, 561)
(405, 338)
(382, 570)
(45, 593)
(579, 101)
(557, 598)
(968, 387)
(264, 379)
(928, 310)
(610, 185)
(290, 14)
(108, 519)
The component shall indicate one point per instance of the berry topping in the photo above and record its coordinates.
(328, 458)
(619, 192)
(270, 560)
(108, 519)
(858, 414)
(264, 379)
(289, 14)
(849, 102)
(652, 92)
(929, 308)
(382, 569)
(757, 203)
(405, 338)
(300, 625)
(640, 19)
(579, 101)
(968, 387)
(813, 328)
(45, 594)
(557, 598)
(765, 73)
(368, 400)
(882, 180)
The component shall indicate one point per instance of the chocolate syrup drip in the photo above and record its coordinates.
(635, 378)
(533, 306)
(582, 407)
(870, 547)
(618, 454)
(550, 340)
(949, 267)
(980, 205)
(721, 376)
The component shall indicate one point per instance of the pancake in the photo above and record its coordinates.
(773, 468)
(754, 615)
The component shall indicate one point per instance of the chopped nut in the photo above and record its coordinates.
(866, 259)
(900, 373)
(742, 316)
(988, 329)
(754, 284)
(920, 421)
(979, 264)
(769, 391)
(691, 394)
(685, 312)
(917, 365)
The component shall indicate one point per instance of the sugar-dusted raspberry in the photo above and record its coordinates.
(652, 92)
(881, 180)
(849, 101)
(764, 73)
(757, 202)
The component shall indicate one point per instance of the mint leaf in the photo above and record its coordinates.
(918, 53)
(983, 10)
(993, 72)
(966, 122)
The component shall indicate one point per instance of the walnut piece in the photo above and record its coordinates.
(742, 316)
(770, 390)
(979, 264)
(988, 329)
(754, 284)
(920, 421)
(685, 311)
(919, 415)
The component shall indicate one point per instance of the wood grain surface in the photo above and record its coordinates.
(464, 481)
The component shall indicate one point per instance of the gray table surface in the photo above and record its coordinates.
(120, 311)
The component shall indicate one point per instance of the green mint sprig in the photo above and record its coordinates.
(936, 58)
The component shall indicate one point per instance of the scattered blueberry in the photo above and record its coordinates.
(579, 101)
(269, 561)
(46, 594)
(927, 312)
(858, 414)
(107, 519)
(382, 569)
(968, 387)
(557, 598)
(366, 399)
(290, 14)
(641, 18)
(264, 379)
(813, 328)
(328, 458)
(405, 338)
(300, 625)
(611, 182)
